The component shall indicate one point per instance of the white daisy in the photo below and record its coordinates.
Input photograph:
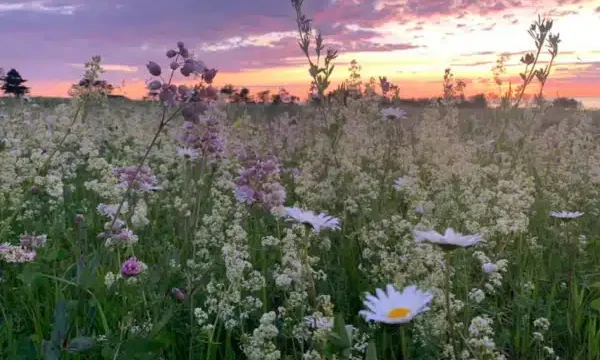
(567, 215)
(318, 222)
(450, 238)
(188, 153)
(388, 113)
(396, 307)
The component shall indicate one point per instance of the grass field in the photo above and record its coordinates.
(226, 275)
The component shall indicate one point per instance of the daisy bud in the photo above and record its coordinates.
(174, 65)
(177, 293)
(154, 85)
(180, 45)
(171, 53)
(153, 68)
(79, 219)
(184, 53)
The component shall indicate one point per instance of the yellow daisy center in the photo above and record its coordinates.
(398, 313)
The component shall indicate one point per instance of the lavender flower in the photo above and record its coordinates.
(118, 235)
(144, 181)
(259, 182)
(31, 242)
(204, 137)
(132, 267)
(15, 254)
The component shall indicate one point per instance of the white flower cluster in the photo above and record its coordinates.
(260, 346)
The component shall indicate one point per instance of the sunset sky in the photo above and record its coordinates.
(253, 43)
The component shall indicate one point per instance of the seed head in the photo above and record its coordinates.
(154, 85)
(171, 53)
(209, 75)
(174, 65)
(154, 68)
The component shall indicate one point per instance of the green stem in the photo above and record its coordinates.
(404, 341)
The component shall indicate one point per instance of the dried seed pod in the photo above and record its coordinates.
(154, 85)
(154, 68)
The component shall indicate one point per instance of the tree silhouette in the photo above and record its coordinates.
(13, 84)
(263, 96)
(244, 95)
(228, 89)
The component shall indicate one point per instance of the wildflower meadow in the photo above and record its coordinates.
(349, 227)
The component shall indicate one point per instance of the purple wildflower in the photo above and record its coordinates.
(259, 182)
(30, 242)
(119, 235)
(204, 136)
(15, 254)
(144, 181)
(132, 267)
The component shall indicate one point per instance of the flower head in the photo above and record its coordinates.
(16, 254)
(394, 307)
(144, 181)
(188, 153)
(403, 183)
(450, 238)
(30, 242)
(391, 113)
(566, 215)
(133, 267)
(318, 322)
(259, 182)
(316, 221)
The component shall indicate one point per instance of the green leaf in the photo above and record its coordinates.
(163, 321)
(60, 326)
(339, 336)
(80, 343)
(595, 304)
(371, 351)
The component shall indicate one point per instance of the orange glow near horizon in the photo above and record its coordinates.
(462, 44)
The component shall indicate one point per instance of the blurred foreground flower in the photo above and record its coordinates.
(566, 215)
(394, 307)
(449, 239)
(316, 221)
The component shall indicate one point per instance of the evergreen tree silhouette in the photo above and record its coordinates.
(13, 84)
